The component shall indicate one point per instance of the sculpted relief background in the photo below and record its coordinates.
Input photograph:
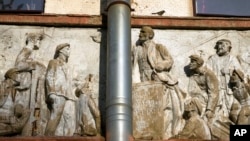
(174, 77)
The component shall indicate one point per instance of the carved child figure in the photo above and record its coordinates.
(195, 127)
(88, 114)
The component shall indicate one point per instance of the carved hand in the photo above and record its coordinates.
(159, 67)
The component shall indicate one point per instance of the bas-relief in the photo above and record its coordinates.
(49, 82)
(182, 78)
(207, 71)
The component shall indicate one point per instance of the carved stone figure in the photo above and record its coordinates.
(12, 117)
(244, 60)
(31, 79)
(241, 91)
(154, 63)
(222, 64)
(204, 89)
(60, 97)
(203, 86)
(88, 114)
(195, 127)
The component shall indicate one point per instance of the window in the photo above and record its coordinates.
(239, 8)
(22, 6)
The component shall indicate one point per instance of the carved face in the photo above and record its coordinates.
(144, 34)
(193, 64)
(65, 51)
(223, 48)
(37, 43)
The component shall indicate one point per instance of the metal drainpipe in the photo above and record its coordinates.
(119, 76)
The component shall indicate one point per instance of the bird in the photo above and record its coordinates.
(96, 38)
(160, 13)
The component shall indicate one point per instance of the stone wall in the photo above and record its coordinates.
(180, 8)
(88, 52)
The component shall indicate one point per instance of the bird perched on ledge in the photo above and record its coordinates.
(160, 13)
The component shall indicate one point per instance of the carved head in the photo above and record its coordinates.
(35, 39)
(63, 49)
(12, 75)
(146, 33)
(193, 105)
(195, 62)
(223, 47)
(237, 76)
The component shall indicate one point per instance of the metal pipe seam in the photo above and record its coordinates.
(119, 100)
(119, 109)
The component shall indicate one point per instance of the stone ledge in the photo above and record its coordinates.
(52, 139)
(136, 21)
(182, 140)
(79, 139)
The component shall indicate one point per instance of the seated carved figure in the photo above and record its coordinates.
(195, 127)
(12, 117)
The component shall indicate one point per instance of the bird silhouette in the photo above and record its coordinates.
(160, 13)
(96, 38)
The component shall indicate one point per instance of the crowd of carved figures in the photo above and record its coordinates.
(217, 94)
(36, 99)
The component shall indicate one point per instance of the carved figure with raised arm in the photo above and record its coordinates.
(241, 91)
(88, 113)
(31, 76)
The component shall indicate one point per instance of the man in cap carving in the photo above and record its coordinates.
(203, 85)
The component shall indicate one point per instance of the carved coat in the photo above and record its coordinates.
(24, 64)
(59, 80)
(228, 63)
(204, 86)
(150, 55)
(227, 102)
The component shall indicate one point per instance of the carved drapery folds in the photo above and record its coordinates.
(187, 84)
(38, 99)
(215, 93)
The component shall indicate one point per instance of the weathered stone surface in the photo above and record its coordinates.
(148, 110)
(88, 57)
(19, 50)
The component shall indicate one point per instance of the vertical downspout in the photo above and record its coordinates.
(119, 76)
